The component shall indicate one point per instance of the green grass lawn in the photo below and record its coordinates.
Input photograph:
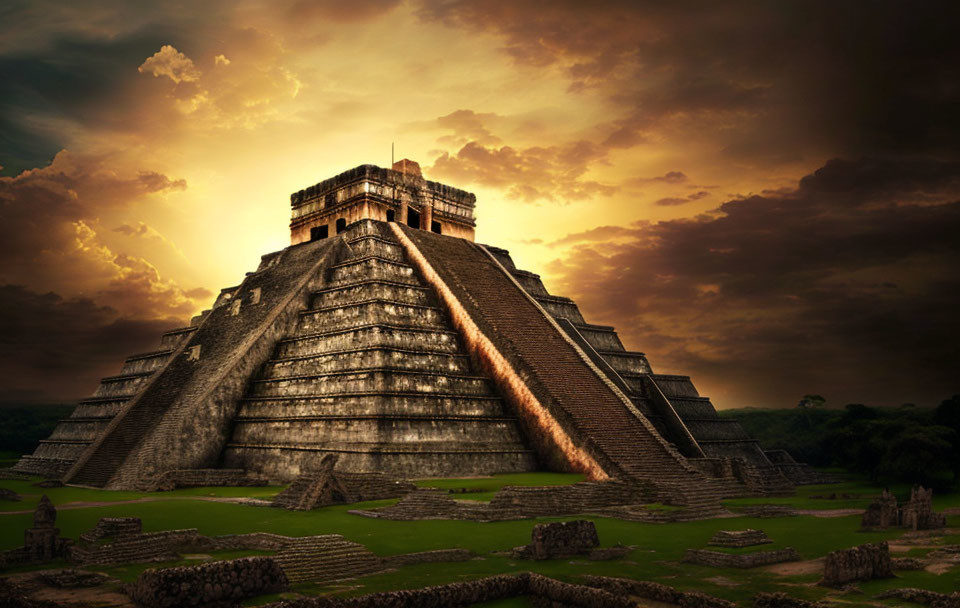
(659, 547)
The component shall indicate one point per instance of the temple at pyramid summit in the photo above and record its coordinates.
(386, 336)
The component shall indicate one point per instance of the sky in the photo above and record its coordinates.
(764, 195)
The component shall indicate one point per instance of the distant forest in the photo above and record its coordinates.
(22, 426)
(906, 444)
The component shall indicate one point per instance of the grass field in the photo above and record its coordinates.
(659, 547)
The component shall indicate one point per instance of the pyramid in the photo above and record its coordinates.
(385, 336)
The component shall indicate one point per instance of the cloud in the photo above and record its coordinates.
(764, 84)
(50, 236)
(57, 348)
(675, 201)
(552, 173)
(171, 63)
(828, 287)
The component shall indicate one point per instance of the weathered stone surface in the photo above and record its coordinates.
(9, 495)
(71, 579)
(42, 542)
(862, 563)
(108, 527)
(739, 538)
(719, 559)
(657, 592)
(923, 596)
(223, 583)
(560, 539)
(782, 600)
(882, 513)
(916, 514)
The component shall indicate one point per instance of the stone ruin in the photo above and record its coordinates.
(862, 563)
(719, 559)
(9, 495)
(406, 352)
(42, 542)
(561, 539)
(917, 514)
(325, 486)
(739, 538)
(221, 583)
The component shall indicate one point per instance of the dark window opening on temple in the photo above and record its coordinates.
(390, 215)
(413, 218)
(435, 227)
(341, 225)
(319, 232)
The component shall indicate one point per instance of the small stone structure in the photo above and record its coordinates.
(42, 542)
(72, 579)
(862, 563)
(139, 547)
(916, 514)
(739, 538)
(718, 559)
(223, 583)
(9, 495)
(325, 486)
(560, 539)
(324, 558)
(883, 512)
(110, 527)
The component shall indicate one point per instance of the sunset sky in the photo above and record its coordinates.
(764, 195)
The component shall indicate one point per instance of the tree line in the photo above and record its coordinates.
(908, 444)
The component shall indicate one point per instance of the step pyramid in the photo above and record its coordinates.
(405, 352)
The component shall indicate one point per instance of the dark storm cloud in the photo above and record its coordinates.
(64, 345)
(845, 286)
(770, 79)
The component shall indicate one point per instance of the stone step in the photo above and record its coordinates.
(367, 358)
(629, 362)
(561, 307)
(173, 338)
(100, 406)
(83, 429)
(375, 245)
(371, 380)
(530, 282)
(115, 386)
(146, 362)
(66, 449)
(46, 467)
(345, 429)
(364, 404)
(371, 311)
(372, 290)
(600, 337)
(371, 267)
(374, 334)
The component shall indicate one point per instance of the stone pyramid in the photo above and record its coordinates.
(386, 336)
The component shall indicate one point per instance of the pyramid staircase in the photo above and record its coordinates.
(72, 435)
(670, 402)
(375, 374)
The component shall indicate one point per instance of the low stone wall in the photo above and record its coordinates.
(257, 541)
(223, 583)
(426, 557)
(764, 511)
(657, 592)
(704, 557)
(861, 563)
(739, 538)
(782, 600)
(198, 478)
(548, 591)
(145, 547)
(922, 596)
(9, 495)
